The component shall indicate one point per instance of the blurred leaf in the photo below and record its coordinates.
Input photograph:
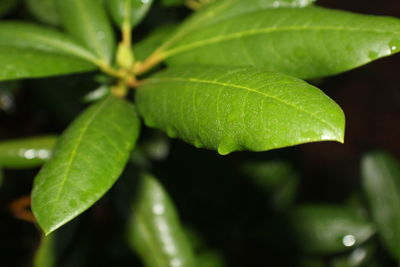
(276, 178)
(97, 94)
(44, 39)
(45, 11)
(172, 2)
(46, 254)
(238, 109)
(144, 48)
(155, 232)
(87, 21)
(210, 259)
(132, 11)
(381, 178)
(30, 51)
(324, 229)
(306, 43)
(26, 152)
(31, 63)
(7, 6)
(87, 160)
(358, 257)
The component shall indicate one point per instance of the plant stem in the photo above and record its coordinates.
(153, 60)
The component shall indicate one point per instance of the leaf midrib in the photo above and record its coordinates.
(237, 35)
(195, 80)
(71, 158)
(195, 23)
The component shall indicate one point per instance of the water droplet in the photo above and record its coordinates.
(198, 143)
(158, 209)
(394, 46)
(228, 145)
(171, 132)
(373, 55)
(28, 154)
(349, 240)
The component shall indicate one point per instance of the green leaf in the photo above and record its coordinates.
(132, 11)
(87, 21)
(46, 254)
(87, 160)
(324, 229)
(20, 63)
(45, 11)
(238, 109)
(27, 152)
(381, 183)
(223, 10)
(304, 42)
(44, 39)
(277, 179)
(144, 48)
(172, 2)
(356, 258)
(7, 5)
(155, 232)
(32, 51)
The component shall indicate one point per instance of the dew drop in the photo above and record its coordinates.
(349, 240)
(373, 55)
(227, 146)
(171, 132)
(394, 46)
(198, 143)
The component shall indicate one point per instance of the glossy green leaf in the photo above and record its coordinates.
(155, 232)
(31, 51)
(87, 21)
(7, 5)
(46, 254)
(20, 63)
(27, 152)
(87, 160)
(304, 42)
(356, 258)
(238, 109)
(381, 183)
(144, 48)
(324, 229)
(223, 10)
(45, 11)
(132, 11)
(44, 39)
